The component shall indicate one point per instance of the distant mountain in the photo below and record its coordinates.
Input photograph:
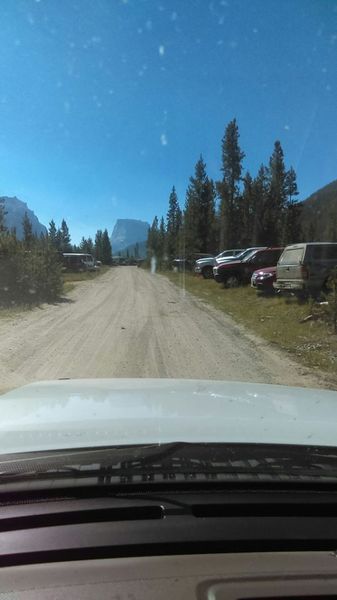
(319, 214)
(135, 250)
(128, 232)
(15, 210)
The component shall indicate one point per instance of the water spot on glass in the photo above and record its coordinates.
(174, 16)
(287, 127)
(161, 50)
(255, 30)
(219, 43)
(139, 30)
(328, 88)
(163, 139)
(221, 20)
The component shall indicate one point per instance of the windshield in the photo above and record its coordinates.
(248, 255)
(139, 139)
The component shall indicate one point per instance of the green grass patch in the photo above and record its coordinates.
(275, 318)
(13, 312)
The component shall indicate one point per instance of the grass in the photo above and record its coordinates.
(70, 279)
(12, 312)
(75, 276)
(276, 319)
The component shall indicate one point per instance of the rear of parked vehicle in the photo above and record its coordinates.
(305, 269)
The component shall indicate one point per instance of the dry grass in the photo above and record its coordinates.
(274, 318)
(74, 277)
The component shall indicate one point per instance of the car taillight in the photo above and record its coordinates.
(304, 272)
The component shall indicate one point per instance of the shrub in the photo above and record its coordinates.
(28, 277)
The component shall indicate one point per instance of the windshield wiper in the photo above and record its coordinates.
(178, 462)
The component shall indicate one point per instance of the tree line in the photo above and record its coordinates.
(31, 269)
(100, 248)
(236, 211)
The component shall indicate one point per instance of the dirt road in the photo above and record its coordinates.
(129, 323)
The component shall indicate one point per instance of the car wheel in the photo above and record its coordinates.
(232, 281)
(207, 273)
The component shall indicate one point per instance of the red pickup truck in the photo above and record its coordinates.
(235, 273)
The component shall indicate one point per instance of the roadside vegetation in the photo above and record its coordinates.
(31, 268)
(305, 330)
(71, 278)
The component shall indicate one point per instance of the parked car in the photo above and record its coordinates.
(204, 266)
(240, 256)
(186, 263)
(306, 268)
(75, 261)
(236, 272)
(263, 279)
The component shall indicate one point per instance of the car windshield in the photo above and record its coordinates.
(139, 141)
(249, 255)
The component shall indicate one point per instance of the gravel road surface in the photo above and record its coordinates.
(129, 323)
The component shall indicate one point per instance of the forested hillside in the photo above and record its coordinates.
(319, 214)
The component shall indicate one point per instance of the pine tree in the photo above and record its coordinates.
(52, 233)
(199, 214)
(99, 245)
(28, 236)
(276, 208)
(293, 229)
(173, 225)
(106, 248)
(228, 189)
(86, 246)
(65, 237)
(247, 212)
(161, 242)
(260, 194)
(291, 185)
(153, 239)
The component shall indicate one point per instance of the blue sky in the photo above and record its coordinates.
(105, 104)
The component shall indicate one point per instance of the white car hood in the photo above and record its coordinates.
(87, 413)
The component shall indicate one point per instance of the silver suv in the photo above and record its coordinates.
(306, 268)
